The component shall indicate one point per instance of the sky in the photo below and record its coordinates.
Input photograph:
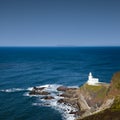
(59, 22)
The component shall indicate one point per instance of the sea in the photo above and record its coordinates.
(22, 68)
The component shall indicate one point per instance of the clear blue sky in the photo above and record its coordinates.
(59, 22)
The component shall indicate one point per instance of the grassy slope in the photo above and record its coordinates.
(99, 91)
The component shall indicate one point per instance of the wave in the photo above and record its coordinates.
(29, 89)
(12, 90)
(16, 90)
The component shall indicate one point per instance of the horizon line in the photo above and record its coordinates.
(62, 46)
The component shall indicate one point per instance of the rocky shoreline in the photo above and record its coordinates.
(74, 97)
(86, 100)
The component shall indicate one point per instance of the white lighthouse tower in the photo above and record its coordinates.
(91, 80)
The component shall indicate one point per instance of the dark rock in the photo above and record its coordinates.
(62, 88)
(47, 97)
(73, 112)
(38, 88)
(61, 101)
(44, 93)
(62, 95)
(33, 92)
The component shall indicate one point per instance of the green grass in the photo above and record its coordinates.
(116, 104)
(100, 91)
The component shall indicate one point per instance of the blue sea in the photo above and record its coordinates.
(22, 68)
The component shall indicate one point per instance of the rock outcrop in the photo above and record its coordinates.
(38, 91)
(62, 88)
(47, 97)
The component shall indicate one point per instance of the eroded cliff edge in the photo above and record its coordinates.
(91, 102)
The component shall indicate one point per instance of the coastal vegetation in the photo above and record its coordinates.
(99, 91)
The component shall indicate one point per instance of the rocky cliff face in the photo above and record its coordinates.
(110, 108)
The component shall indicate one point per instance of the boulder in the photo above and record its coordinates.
(62, 88)
(38, 88)
(47, 97)
(33, 92)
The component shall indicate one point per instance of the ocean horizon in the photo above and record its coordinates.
(22, 68)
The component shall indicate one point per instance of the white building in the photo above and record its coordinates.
(91, 80)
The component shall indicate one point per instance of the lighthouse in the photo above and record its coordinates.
(91, 80)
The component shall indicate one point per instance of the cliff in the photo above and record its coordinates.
(111, 111)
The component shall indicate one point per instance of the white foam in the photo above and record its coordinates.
(26, 94)
(30, 88)
(44, 85)
(40, 104)
(62, 108)
(50, 87)
(12, 90)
